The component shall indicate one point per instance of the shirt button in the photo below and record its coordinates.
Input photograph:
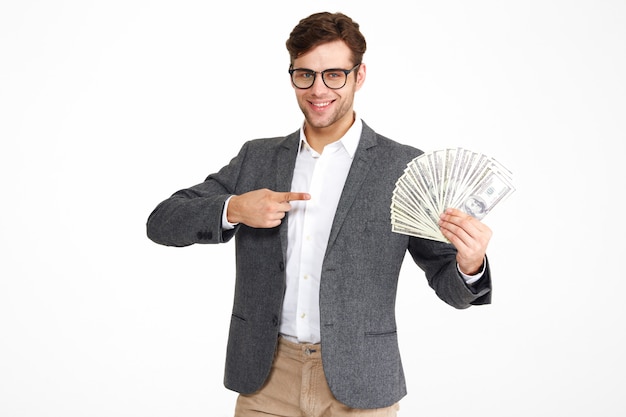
(303, 315)
(306, 277)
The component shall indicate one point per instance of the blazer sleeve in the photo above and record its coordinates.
(194, 215)
(438, 261)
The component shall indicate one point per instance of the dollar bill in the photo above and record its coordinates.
(454, 177)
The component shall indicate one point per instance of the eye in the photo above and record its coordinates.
(304, 75)
(332, 74)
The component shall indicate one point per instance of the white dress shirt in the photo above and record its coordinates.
(322, 176)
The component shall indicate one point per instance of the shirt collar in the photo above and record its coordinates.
(349, 141)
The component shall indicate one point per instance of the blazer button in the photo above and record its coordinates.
(275, 321)
(281, 265)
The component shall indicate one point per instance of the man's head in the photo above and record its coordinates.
(326, 71)
(322, 28)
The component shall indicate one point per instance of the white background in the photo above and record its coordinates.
(108, 107)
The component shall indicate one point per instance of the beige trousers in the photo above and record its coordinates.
(297, 387)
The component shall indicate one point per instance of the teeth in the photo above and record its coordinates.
(321, 104)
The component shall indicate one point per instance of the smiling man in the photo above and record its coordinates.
(313, 330)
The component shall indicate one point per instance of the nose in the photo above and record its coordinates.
(318, 85)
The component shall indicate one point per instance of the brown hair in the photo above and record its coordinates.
(324, 27)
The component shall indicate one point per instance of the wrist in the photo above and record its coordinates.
(471, 268)
(229, 217)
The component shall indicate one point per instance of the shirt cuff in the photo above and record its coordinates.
(471, 279)
(226, 225)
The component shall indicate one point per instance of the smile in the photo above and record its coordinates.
(321, 105)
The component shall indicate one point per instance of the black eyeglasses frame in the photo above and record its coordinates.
(322, 73)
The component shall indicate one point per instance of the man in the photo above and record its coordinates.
(313, 329)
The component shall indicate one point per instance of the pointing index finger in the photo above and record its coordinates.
(294, 196)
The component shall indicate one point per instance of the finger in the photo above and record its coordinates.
(456, 219)
(293, 196)
(450, 214)
(271, 220)
(460, 228)
(456, 235)
(469, 235)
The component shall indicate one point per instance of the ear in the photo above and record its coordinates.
(360, 76)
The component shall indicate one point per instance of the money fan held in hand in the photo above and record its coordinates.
(432, 182)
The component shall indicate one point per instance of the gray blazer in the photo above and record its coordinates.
(359, 274)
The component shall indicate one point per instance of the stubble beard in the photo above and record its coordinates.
(316, 122)
(342, 105)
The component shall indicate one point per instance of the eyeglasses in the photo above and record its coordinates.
(334, 78)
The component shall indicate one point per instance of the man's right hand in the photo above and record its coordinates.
(262, 208)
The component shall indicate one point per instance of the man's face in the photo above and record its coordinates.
(324, 107)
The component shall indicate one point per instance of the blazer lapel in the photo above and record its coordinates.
(363, 159)
(285, 163)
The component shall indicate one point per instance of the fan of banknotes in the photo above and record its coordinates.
(455, 177)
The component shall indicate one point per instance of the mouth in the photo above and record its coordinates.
(321, 105)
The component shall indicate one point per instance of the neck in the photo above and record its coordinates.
(319, 137)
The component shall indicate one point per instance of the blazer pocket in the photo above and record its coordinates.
(381, 333)
(381, 353)
(237, 317)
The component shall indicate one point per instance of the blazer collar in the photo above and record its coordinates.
(350, 141)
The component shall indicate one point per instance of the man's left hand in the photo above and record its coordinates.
(469, 236)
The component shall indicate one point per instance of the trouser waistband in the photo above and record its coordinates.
(300, 351)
